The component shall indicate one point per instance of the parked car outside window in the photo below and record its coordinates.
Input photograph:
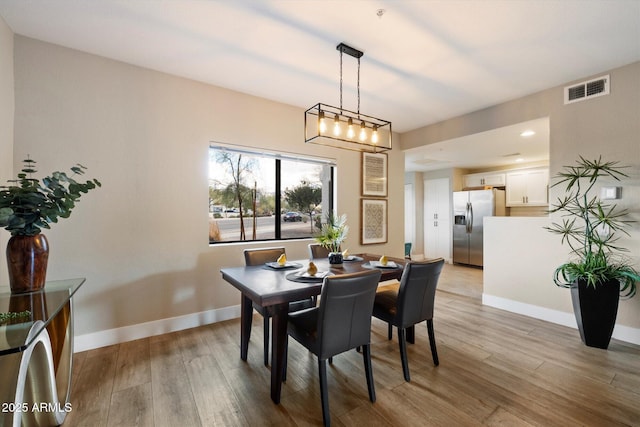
(292, 216)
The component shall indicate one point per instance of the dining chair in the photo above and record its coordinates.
(410, 302)
(341, 322)
(260, 257)
(318, 251)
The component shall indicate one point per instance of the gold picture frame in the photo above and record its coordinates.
(373, 221)
(374, 174)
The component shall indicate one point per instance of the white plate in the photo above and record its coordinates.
(390, 264)
(318, 275)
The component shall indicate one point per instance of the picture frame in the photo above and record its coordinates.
(373, 221)
(374, 174)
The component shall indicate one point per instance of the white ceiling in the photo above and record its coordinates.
(495, 148)
(424, 61)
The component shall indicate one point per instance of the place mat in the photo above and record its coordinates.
(286, 266)
(352, 258)
(304, 277)
(376, 264)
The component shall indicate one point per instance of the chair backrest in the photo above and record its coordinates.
(417, 291)
(261, 256)
(318, 251)
(344, 315)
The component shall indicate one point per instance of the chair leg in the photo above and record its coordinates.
(432, 341)
(390, 332)
(286, 357)
(411, 334)
(324, 395)
(331, 361)
(366, 355)
(402, 341)
(266, 340)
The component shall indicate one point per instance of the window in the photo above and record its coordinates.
(266, 196)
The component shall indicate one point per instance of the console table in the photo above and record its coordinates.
(36, 354)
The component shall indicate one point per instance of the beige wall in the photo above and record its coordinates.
(142, 239)
(606, 125)
(6, 122)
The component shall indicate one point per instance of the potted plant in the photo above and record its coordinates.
(27, 206)
(599, 274)
(333, 232)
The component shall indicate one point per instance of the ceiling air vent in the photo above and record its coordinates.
(586, 90)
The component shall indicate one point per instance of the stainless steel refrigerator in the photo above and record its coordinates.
(469, 210)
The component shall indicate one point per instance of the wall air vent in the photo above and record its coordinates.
(586, 90)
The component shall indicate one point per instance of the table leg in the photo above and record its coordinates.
(246, 315)
(29, 384)
(278, 345)
(411, 334)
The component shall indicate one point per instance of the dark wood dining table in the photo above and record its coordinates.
(270, 288)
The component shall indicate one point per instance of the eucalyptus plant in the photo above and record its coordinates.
(592, 227)
(334, 231)
(28, 205)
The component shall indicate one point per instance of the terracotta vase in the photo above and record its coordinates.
(27, 258)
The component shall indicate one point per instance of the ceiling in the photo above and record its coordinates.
(492, 149)
(424, 61)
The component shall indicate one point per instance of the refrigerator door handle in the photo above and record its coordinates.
(469, 218)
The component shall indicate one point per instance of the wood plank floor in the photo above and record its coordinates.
(496, 368)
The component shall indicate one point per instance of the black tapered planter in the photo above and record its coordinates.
(596, 309)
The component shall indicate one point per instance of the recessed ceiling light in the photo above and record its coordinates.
(527, 133)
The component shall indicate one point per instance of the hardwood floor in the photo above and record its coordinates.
(496, 368)
(461, 280)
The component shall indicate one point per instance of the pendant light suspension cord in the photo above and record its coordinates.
(358, 87)
(341, 82)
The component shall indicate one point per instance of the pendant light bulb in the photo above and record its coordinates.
(363, 132)
(350, 132)
(374, 135)
(321, 124)
(336, 126)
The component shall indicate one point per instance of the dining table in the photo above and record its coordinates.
(274, 286)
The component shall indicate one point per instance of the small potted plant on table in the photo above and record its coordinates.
(333, 232)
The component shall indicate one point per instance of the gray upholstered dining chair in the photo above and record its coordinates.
(260, 257)
(409, 303)
(341, 322)
(318, 251)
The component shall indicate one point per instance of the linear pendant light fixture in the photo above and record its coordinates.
(340, 128)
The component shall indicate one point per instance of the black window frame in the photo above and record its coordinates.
(278, 157)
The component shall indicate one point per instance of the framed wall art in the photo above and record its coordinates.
(374, 174)
(373, 221)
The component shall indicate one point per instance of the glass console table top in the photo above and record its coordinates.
(44, 305)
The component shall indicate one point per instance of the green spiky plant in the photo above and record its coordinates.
(592, 228)
(28, 205)
(334, 231)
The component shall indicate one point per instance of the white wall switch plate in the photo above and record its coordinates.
(610, 193)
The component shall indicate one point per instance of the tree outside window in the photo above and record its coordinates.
(255, 196)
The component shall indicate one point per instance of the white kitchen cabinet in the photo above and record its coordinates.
(437, 218)
(481, 179)
(528, 187)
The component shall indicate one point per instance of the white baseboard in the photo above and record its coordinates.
(621, 332)
(149, 329)
(173, 324)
